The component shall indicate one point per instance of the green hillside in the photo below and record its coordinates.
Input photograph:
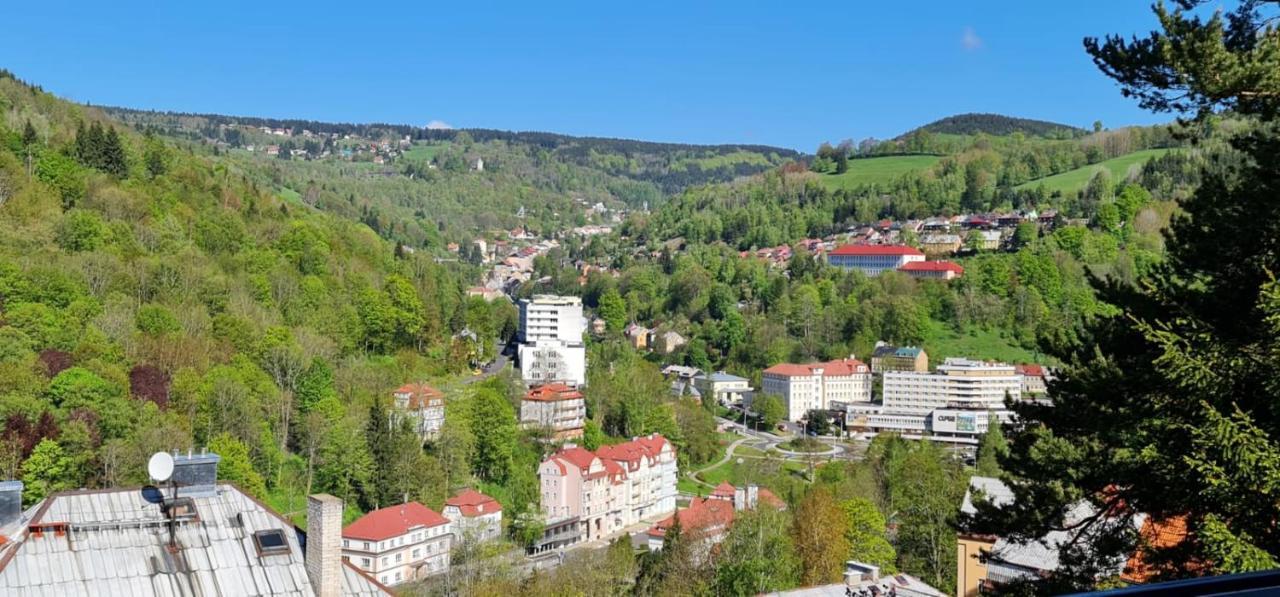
(878, 170)
(1073, 180)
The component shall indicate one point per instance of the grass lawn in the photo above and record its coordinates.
(1074, 180)
(423, 152)
(290, 195)
(745, 450)
(687, 485)
(943, 341)
(878, 170)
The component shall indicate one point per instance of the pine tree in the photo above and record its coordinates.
(1169, 407)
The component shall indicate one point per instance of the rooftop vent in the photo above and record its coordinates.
(196, 475)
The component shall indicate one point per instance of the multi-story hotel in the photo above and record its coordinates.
(817, 385)
(598, 494)
(956, 401)
(398, 543)
(556, 407)
(551, 346)
(873, 259)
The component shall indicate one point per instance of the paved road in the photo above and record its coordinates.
(494, 368)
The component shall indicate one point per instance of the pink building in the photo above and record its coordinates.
(598, 494)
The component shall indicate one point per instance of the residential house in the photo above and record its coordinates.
(898, 358)
(473, 516)
(932, 270)
(816, 385)
(213, 539)
(399, 543)
(873, 259)
(638, 336)
(682, 380)
(1035, 379)
(940, 244)
(486, 293)
(598, 326)
(988, 240)
(557, 407)
(725, 388)
(589, 496)
(668, 342)
(424, 405)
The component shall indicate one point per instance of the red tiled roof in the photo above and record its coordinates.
(724, 490)
(420, 394)
(1030, 370)
(841, 367)
(864, 250)
(767, 497)
(553, 392)
(393, 521)
(701, 515)
(473, 503)
(931, 266)
(1156, 535)
(577, 456)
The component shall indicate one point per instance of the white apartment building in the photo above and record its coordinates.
(424, 405)
(549, 317)
(817, 385)
(953, 403)
(551, 346)
(601, 493)
(398, 544)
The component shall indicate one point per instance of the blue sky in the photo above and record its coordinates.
(789, 74)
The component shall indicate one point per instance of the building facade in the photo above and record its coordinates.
(424, 405)
(556, 407)
(551, 345)
(898, 358)
(473, 516)
(817, 385)
(727, 389)
(932, 270)
(954, 403)
(605, 491)
(398, 544)
(873, 259)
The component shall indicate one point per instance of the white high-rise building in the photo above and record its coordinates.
(551, 345)
(549, 317)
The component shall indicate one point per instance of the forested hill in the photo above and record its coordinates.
(999, 125)
(671, 166)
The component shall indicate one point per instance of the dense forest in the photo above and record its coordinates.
(999, 125)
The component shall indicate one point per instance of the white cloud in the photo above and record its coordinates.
(970, 40)
(439, 125)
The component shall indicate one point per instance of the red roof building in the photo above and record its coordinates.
(556, 407)
(393, 521)
(932, 270)
(871, 260)
(815, 386)
(472, 503)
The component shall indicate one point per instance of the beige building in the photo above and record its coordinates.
(816, 385)
(898, 358)
(556, 407)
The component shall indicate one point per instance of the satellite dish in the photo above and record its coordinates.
(160, 467)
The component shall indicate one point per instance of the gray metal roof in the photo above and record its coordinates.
(115, 545)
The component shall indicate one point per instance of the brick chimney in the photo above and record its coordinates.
(324, 544)
(10, 501)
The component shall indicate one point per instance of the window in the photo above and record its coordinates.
(399, 557)
(364, 563)
(417, 553)
(270, 542)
